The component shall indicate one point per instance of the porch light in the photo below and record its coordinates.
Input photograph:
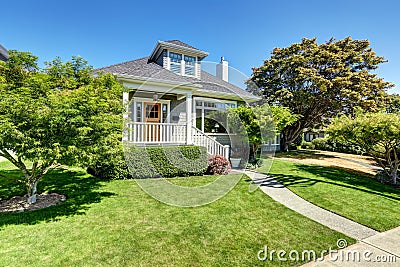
(155, 97)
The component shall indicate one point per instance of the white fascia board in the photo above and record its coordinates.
(155, 85)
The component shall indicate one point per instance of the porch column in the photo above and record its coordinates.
(125, 103)
(189, 100)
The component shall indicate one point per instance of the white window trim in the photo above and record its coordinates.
(149, 100)
(183, 63)
(195, 107)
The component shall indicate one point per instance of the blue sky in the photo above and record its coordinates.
(244, 32)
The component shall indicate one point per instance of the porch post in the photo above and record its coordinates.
(125, 103)
(189, 100)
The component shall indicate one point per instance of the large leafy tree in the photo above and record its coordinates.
(319, 81)
(60, 115)
(376, 133)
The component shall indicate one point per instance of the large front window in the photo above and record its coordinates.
(205, 115)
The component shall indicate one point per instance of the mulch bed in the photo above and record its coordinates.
(19, 203)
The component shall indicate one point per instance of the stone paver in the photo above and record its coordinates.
(283, 195)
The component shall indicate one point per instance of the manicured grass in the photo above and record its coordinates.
(116, 224)
(351, 195)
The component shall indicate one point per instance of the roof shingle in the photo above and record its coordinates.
(177, 42)
(143, 68)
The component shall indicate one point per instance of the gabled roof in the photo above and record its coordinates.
(177, 46)
(177, 42)
(3, 53)
(208, 83)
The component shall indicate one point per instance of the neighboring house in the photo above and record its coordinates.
(170, 96)
(3, 53)
(311, 134)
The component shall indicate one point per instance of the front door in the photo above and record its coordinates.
(152, 117)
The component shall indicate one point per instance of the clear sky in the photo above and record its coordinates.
(244, 32)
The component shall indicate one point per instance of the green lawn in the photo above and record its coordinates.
(351, 195)
(116, 224)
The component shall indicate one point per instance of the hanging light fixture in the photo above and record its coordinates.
(155, 97)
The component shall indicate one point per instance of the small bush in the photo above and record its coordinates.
(321, 144)
(218, 164)
(331, 145)
(110, 165)
(307, 145)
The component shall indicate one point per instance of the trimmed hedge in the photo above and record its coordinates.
(110, 165)
(166, 162)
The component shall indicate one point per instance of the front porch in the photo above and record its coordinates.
(170, 119)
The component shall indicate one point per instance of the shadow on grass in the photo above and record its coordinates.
(339, 178)
(80, 189)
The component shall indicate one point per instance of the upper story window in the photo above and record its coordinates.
(190, 65)
(175, 65)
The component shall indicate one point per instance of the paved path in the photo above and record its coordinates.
(372, 248)
(283, 195)
(382, 249)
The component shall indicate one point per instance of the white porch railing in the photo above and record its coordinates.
(172, 133)
(157, 133)
(213, 146)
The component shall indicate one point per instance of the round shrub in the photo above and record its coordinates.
(307, 145)
(218, 164)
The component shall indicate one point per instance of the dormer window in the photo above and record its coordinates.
(190, 65)
(175, 63)
(178, 57)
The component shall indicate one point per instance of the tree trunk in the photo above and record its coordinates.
(394, 175)
(32, 190)
(289, 135)
(284, 144)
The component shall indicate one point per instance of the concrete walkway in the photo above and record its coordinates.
(372, 248)
(283, 195)
(382, 249)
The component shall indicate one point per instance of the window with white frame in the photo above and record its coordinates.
(190, 65)
(140, 114)
(175, 62)
(205, 108)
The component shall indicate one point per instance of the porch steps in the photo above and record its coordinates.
(199, 138)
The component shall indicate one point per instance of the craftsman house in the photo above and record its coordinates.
(170, 96)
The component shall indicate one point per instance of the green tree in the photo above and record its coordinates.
(320, 81)
(56, 116)
(376, 133)
(261, 123)
(392, 103)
